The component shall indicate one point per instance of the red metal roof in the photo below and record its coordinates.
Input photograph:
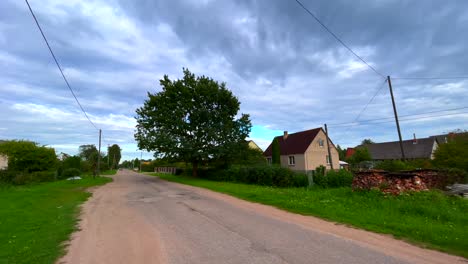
(296, 143)
(349, 152)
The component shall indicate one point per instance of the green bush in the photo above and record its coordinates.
(22, 178)
(7, 176)
(394, 165)
(333, 179)
(28, 156)
(259, 175)
(70, 173)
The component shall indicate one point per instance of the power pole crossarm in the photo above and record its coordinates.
(396, 118)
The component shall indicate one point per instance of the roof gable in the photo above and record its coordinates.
(296, 143)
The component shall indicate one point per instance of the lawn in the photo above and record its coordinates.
(428, 219)
(36, 219)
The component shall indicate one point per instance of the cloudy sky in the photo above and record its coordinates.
(286, 70)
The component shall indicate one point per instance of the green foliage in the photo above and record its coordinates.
(360, 154)
(37, 220)
(88, 153)
(394, 165)
(261, 175)
(192, 119)
(341, 152)
(453, 154)
(114, 154)
(71, 162)
(22, 178)
(332, 178)
(276, 153)
(428, 218)
(70, 172)
(26, 156)
(367, 141)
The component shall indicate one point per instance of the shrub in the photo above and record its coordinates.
(260, 175)
(7, 176)
(333, 179)
(28, 156)
(394, 165)
(22, 178)
(70, 173)
(340, 178)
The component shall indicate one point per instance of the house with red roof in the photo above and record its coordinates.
(305, 150)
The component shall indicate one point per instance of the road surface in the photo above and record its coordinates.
(143, 219)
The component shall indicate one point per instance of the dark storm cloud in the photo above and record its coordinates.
(288, 72)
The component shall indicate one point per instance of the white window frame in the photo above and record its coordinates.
(269, 161)
(321, 142)
(293, 161)
(327, 158)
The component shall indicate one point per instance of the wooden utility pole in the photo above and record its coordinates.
(141, 157)
(396, 118)
(328, 148)
(99, 155)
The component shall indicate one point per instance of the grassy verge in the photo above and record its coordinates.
(428, 219)
(36, 219)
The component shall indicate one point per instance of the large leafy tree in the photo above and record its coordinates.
(88, 153)
(114, 153)
(191, 119)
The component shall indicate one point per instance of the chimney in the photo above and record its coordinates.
(415, 141)
(285, 135)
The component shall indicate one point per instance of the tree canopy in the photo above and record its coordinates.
(28, 156)
(454, 153)
(191, 119)
(367, 141)
(114, 153)
(275, 152)
(88, 153)
(360, 154)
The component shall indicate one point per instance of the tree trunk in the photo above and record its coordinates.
(195, 169)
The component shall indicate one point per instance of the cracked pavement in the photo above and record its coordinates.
(143, 219)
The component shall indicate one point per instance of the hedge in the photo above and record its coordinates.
(261, 175)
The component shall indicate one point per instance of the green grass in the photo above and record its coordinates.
(429, 219)
(36, 219)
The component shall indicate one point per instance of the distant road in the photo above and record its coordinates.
(142, 219)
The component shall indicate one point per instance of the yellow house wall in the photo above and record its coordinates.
(316, 155)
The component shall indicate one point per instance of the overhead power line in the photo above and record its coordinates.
(386, 119)
(58, 66)
(370, 101)
(337, 38)
(430, 78)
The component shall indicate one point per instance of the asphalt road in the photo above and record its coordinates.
(142, 219)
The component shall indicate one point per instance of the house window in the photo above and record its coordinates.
(269, 160)
(320, 142)
(328, 159)
(291, 160)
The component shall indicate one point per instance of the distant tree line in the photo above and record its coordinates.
(30, 162)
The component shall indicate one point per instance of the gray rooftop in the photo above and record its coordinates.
(391, 150)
